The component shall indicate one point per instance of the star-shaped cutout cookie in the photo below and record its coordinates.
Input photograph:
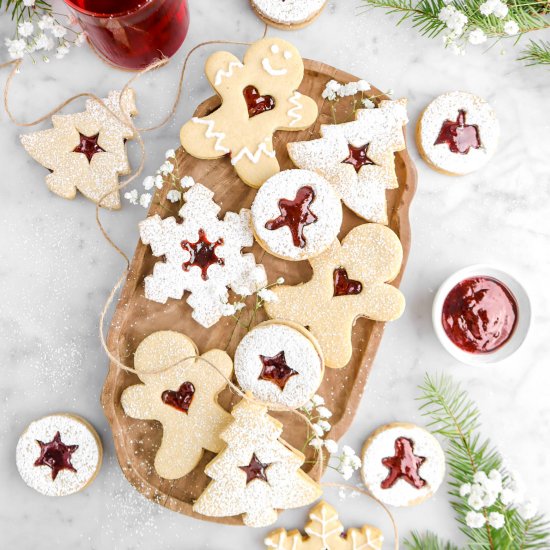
(357, 157)
(371, 256)
(183, 399)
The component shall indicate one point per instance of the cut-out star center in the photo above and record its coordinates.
(56, 455)
(276, 370)
(459, 136)
(358, 156)
(180, 399)
(255, 470)
(88, 146)
(296, 215)
(404, 465)
(202, 254)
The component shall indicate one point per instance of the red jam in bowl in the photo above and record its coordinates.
(479, 314)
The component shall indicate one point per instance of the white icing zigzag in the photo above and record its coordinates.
(295, 100)
(253, 157)
(211, 134)
(229, 73)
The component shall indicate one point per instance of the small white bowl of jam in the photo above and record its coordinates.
(481, 314)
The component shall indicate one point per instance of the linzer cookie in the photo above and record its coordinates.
(259, 96)
(202, 255)
(288, 14)
(182, 398)
(457, 133)
(257, 473)
(357, 158)
(296, 215)
(403, 464)
(349, 281)
(59, 455)
(279, 363)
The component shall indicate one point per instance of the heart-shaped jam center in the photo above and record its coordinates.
(180, 399)
(257, 103)
(343, 285)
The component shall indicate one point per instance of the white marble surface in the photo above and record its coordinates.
(56, 271)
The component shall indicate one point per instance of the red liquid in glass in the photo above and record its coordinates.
(133, 33)
(479, 315)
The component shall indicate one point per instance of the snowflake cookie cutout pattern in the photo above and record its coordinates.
(357, 157)
(325, 531)
(87, 151)
(258, 97)
(202, 254)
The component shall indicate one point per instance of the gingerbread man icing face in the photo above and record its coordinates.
(258, 97)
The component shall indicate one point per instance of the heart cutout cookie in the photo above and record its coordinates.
(256, 102)
(181, 399)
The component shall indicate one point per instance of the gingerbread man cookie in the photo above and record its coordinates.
(325, 531)
(183, 399)
(258, 97)
(349, 281)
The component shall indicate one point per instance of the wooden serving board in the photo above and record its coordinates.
(136, 317)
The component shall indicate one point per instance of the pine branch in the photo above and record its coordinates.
(537, 53)
(428, 541)
(456, 417)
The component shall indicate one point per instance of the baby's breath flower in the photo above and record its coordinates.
(187, 181)
(29, 3)
(528, 509)
(511, 27)
(280, 280)
(267, 295)
(80, 39)
(159, 181)
(507, 497)
(500, 10)
(496, 520)
(148, 183)
(324, 425)
(44, 42)
(316, 443)
(346, 471)
(59, 31)
(480, 477)
(319, 432)
(363, 86)
(324, 412)
(477, 36)
(46, 22)
(173, 195)
(131, 196)
(465, 489)
(368, 104)
(145, 200)
(475, 520)
(348, 451)
(308, 407)
(170, 154)
(166, 168)
(317, 400)
(26, 28)
(62, 51)
(331, 446)
(475, 501)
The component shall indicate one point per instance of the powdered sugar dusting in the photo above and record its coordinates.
(268, 340)
(381, 444)
(290, 12)
(325, 205)
(86, 459)
(446, 107)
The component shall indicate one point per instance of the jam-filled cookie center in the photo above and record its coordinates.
(56, 455)
(343, 285)
(202, 254)
(404, 465)
(257, 103)
(255, 470)
(358, 156)
(459, 136)
(88, 146)
(276, 370)
(180, 399)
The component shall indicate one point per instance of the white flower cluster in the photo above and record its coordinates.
(333, 90)
(491, 490)
(494, 7)
(42, 34)
(264, 294)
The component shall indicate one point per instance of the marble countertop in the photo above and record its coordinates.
(56, 272)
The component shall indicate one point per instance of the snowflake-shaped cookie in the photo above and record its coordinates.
(202, 254)
(357, 157)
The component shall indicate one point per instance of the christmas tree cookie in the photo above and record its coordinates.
(257, 473)
(87, 151)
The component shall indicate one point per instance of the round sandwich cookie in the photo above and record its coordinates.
(59, 455)
(457, 133)
(403, 464)
(288, 14)
(279, 362)
(296, 215)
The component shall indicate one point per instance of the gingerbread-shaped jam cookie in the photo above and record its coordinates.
(258, 97)
(288, 14)
(87, 151)
(296, 215)
(279, 363)
(457, 133)
(324, 531)
(402, 464)
(257, 473)
(349, 281)
(59, 455)
(182, 398)
(357, 157)
(202, 255)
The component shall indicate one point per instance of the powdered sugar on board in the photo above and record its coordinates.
(290, 12)
(202, 254)
(86, 459)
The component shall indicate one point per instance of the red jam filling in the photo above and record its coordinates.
(296, 215)
(358, 157)
(458, 135)
(56, 455)
(403, 465)
(255, 470)
(88, 146)
(257, 103)
(343, 285)
(180, 399)
(276, 370)
(479, 315)
(203, 254)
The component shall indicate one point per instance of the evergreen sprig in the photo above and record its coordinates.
(530, 15)
(454, 416)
